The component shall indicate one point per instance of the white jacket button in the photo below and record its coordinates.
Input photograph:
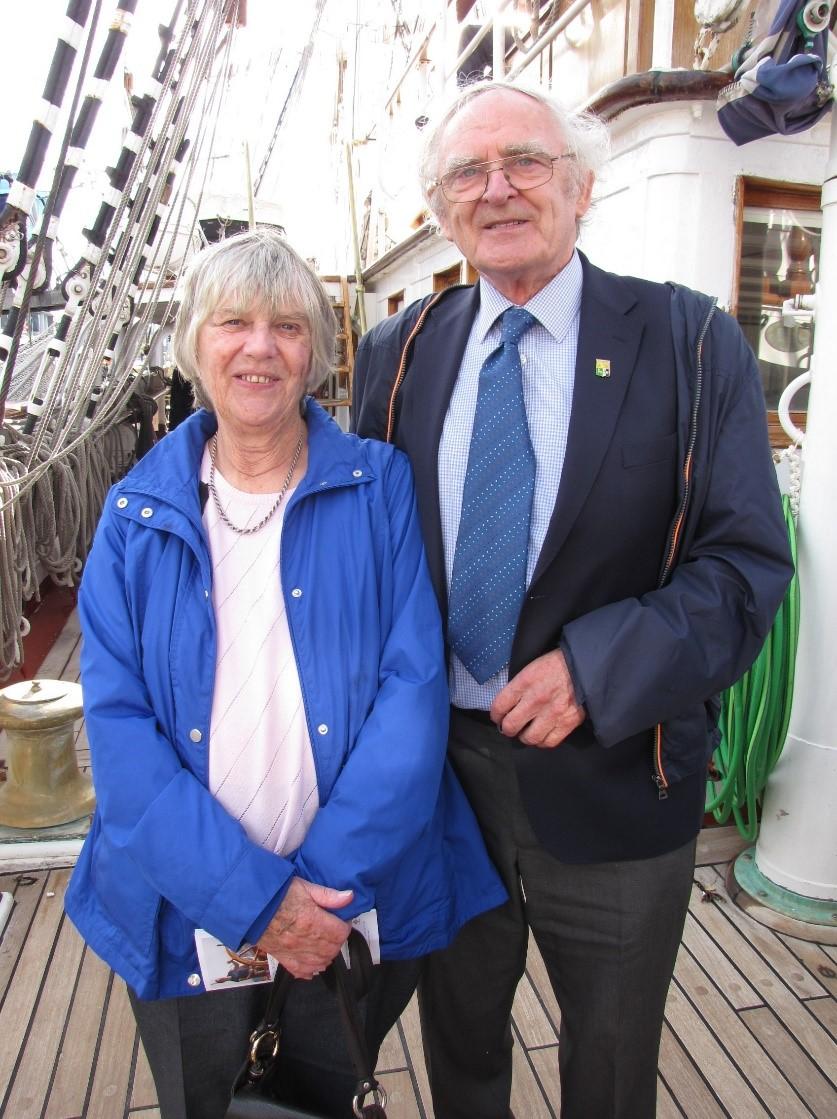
(147, 512)
(322, 729)
(357, 473)
(296, 592)
(122, 502)
(195, 734)
(194, 980)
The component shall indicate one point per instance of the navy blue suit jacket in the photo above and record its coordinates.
(639, 654)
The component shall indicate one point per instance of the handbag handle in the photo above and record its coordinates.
(264, 1041)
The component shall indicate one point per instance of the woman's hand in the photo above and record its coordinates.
(303, 935)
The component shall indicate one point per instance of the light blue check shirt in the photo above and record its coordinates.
(547, 352)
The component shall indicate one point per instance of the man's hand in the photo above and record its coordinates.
(302, 935)
(538, 705)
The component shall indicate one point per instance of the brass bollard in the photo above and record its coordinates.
(44, 786)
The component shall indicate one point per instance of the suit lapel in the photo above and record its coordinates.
(608, 340)
(432, 372)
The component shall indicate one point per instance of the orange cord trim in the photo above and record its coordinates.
(402, 368)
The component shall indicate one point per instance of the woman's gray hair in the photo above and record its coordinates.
(586, 136)
(257, 269)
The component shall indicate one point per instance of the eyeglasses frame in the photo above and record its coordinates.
(492, 165)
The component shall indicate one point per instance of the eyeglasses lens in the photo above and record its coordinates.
(523, 172)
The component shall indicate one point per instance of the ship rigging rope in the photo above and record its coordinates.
(54, 205)
(123, 260)
(54, 479)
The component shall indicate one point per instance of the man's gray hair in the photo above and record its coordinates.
(257, 269)
(585, 135)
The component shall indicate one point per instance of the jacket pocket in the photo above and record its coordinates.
(127, 899)
(688, 741)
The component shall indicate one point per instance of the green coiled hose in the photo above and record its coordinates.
(755, 713)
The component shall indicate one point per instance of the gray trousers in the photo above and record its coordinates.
(608, 934)
(196, 1044)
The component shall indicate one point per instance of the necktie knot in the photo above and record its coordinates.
(514, 322)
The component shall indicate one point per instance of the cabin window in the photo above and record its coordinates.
(447, 277)
(779, 247)
(395, 302)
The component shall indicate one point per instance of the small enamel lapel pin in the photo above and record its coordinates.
(602, 367)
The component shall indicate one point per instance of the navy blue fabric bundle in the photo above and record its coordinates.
(781, 86)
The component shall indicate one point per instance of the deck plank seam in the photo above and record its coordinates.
(690, 1059)
(745, 925)
(97, 1047)
(822, 999)
(814, 1064)
(733, 1060)
(33, 1007)
(718, 947)
(408, 1056)
(17, 878)
(542, 1002)
(541, 1087)
(131, 1074)
(67, 1016)
(671, 1091)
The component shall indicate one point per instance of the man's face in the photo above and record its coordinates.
(518, 239)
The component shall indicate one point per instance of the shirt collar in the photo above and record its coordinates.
(555, 306)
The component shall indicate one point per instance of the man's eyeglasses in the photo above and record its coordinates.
(524, 171)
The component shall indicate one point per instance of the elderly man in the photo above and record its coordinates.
(603, 526)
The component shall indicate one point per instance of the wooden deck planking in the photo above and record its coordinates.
(800, 1071)
(70, 1047)
(739, 1044)
(734, 1094)
(776, 959)
(684, 1080)
(409, 1031)
(26, 897)
(530, 1018)
(816, 961)
(825, 1011)
(116, 1058)
(77, 1059)
(34, 1073)
(719, 845)
(29, 975)
(750, 1031)
(527, 1096)
(724, 973)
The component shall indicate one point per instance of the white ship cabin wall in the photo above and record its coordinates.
(678, 200)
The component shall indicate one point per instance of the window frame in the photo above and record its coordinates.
(766, 194)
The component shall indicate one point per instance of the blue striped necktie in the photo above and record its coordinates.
(489, 564)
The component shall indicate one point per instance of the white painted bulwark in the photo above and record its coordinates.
(665, 205)
(797, 846)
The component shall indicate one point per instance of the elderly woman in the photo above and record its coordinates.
(266, 704)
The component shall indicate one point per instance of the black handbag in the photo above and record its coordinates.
(253, 1093)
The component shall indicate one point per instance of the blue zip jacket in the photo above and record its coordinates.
(163, 856)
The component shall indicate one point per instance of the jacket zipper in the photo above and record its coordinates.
(658, 773)
(402, 365)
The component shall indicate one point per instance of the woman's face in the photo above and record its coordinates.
(253, 366)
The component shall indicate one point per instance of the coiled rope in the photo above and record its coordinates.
(755, 712)
(55, 474)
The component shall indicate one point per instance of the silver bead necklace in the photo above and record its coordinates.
(213, 450)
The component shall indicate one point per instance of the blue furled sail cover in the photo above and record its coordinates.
(781, 86)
